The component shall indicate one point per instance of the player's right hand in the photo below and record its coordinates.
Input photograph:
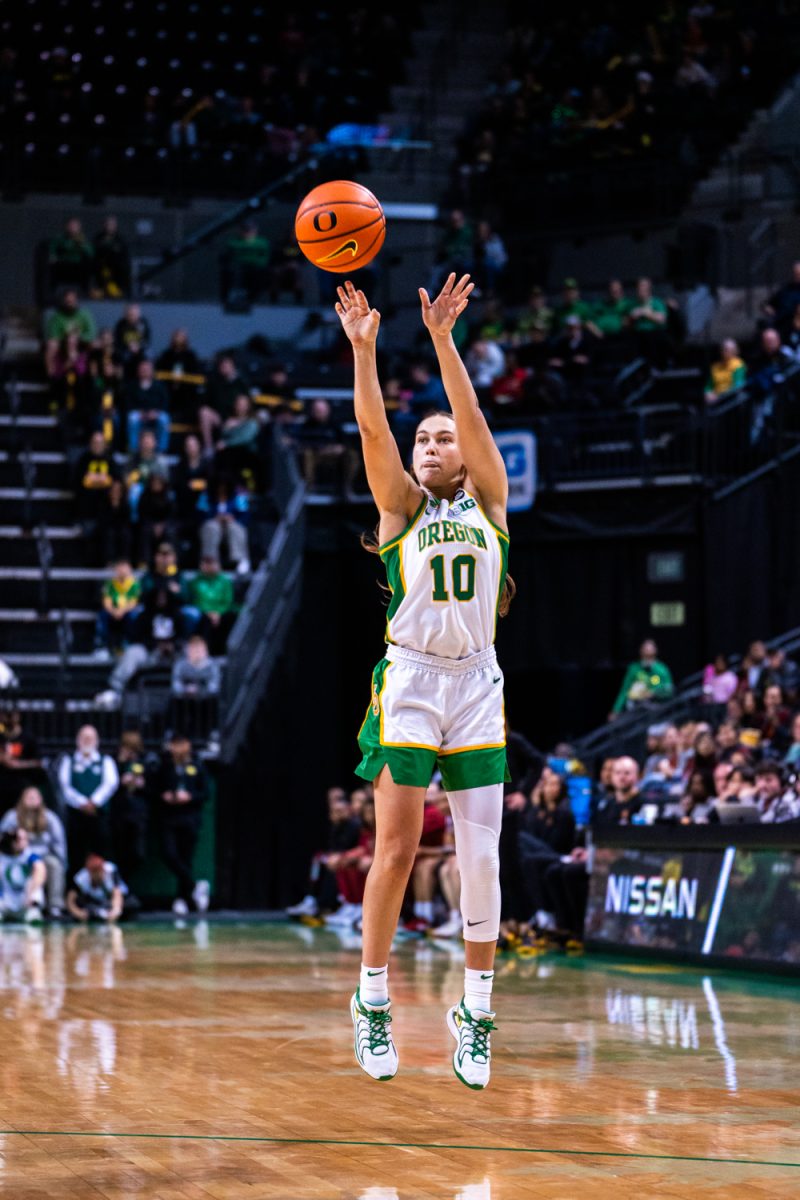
(359, 321)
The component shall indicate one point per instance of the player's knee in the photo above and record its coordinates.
(396, 856)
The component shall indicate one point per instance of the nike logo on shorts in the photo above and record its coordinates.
(497, 680)
(483, 922)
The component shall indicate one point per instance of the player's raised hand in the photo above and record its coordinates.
(441, 314)
(359, 321)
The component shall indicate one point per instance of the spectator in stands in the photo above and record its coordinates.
(114, 531)
(180, 785)
(781, 307)
(97, 892)
(427, 389)
(226, 509)
(431, 851)
(155, 512)
(547, 830)
(456, 249)
(164, 574)
(20, 759)
(320, 443)
(727, 739)
(485, 362)
(190, 479)
(132, 340)
(719, 681)
(196, 673)
(646, 681)
(536, 317)
(222, 388)
(237, 448)
(116, 621)
(70, 258)
(624, 800)
(648, 320)
(46, 839)
(155, 648)
(572, 355)
(782, 671)
(727, 374)
(71, 383)
(183, 365)
(767, 372)
(112, 263)
(95, 471)
(776, 802)
(490, 257)
(792, 757)
(508, 390)
(344, 831)
(141, 466)
(147, 407)
(352, 869)
(68, 317)
(571, 306)
(754, 665)
(88, 780)
(210, 603)
(130, 806)
(22, 878)
(611, 313)
(775, 734)
(245, 266)
(694, 806)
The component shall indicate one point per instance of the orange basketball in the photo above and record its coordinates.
(340, 226)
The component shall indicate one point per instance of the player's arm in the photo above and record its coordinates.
(392, 487)
(482, 459)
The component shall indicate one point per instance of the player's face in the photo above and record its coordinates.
(437, 458)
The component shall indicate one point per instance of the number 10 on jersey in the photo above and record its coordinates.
(462, 570)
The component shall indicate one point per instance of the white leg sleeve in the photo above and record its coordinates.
(477, 814)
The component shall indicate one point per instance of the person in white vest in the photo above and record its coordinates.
(88, 780)
(22, 879)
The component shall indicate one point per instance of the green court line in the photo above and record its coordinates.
(289, 1141)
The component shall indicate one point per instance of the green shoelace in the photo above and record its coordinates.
(379, 1023)
(480, 1037)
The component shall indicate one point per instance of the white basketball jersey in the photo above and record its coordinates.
(446, 572)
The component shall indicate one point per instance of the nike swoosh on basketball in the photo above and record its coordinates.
(483, 922)
(351, 245)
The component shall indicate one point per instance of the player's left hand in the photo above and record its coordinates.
(441, 314)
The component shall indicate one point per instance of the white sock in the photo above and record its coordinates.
(423, 909)
(478, 989)
(454, 914)
(374, 984)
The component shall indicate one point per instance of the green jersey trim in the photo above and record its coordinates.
(395, 540)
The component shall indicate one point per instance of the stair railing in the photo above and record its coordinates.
(44, 551)
(29, 472)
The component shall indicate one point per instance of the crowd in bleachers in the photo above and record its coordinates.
(160, 97)
(582, 91)
(76, 832)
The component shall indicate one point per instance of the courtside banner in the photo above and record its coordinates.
(760, 918)
(518, 449)
(658, 899)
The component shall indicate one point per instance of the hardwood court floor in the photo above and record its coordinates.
(158, 1063)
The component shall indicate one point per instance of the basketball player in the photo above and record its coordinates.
(437, 696)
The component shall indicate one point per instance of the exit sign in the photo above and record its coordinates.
(667, 613)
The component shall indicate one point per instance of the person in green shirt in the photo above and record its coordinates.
(211, 610)
(612, 312)
(245, 265)
(572, 306)
(120, 608)
(71, 257)
(67, 318)
(649, 314)
(645, 680)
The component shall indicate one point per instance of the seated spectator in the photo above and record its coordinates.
(210, 603)
(572, 354)
(490, 257)
(646, 681)
(179, 361)
(180, 787)
(88, 780)
(140, 466)
(70, 258)
(740, 786)
(46, 839)
(485, 362)
(664, 744)
(546, 831)
(782, 305)
(648, 320)
(320, 443)
(196, 673)
(130, 807)
(164, 574)
(792, 756)
(754, 664)
(71, 383)
(782, 671)
(719, 681)
(237, 448)
(66, 318)
(97, 892)
(20, 760)
(535, 317)
(157, 635)
(427, 389)
(727, 374)
(95, 471)
(775, 735)
(112, 262)
(190, 479)
(147, 408)
(703, 757)
(245, 266)
(508, 390)
(344, 831)
(226, 509)
(352, 870)
(694, 806)
(155, 513)
(727, 739)
(116, 621)
(623, 801)
(571, 306)
(223, 386)
(611, 314)
(22, 878)
(114, 530)
(776, 802)
(132, 340)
